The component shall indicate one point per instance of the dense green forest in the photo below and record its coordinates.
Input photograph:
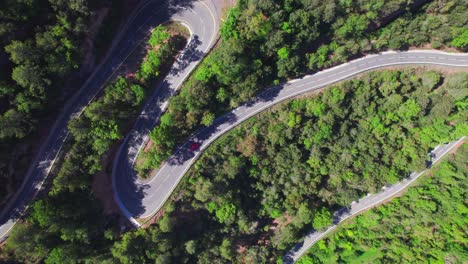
(67, 225)
(428, 224)
(41, 44)
(265, 42)
(257, 189)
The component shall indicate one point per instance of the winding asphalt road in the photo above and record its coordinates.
(137, 198)
(142, 198)
(365, 204)
(201, 17)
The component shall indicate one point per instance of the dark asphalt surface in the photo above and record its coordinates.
(364, 204)
(140, 199)
(202, 19)
(147, 15)
(137, 198)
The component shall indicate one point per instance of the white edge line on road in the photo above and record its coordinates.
(37, 191)
(240, 121)
(163, 108)
(404, 186)
(119, 202)
(116, 40)
(116, 197)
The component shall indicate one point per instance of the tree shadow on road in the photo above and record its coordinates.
(337, 217)
(190, 54)
(269, 95)
(184, 152)
(130, 190)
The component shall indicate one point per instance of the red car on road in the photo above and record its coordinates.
(194, 146)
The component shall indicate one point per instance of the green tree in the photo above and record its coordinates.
(283, 53)
(226, 249)
(322, 219)
(208, 119)
(191, 247)
(461, 39)
(14, 125)
(304, 215)
(30, 77)
(158, 36)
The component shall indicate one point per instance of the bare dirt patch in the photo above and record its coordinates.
(277, 223)
(153, 219)
(89, 58)
(102, 183)
(148, 146)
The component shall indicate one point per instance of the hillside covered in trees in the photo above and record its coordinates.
(253, 193)
(68, 224)
(41, 45)
(266, 42)
(427, 224)
(256, 190)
